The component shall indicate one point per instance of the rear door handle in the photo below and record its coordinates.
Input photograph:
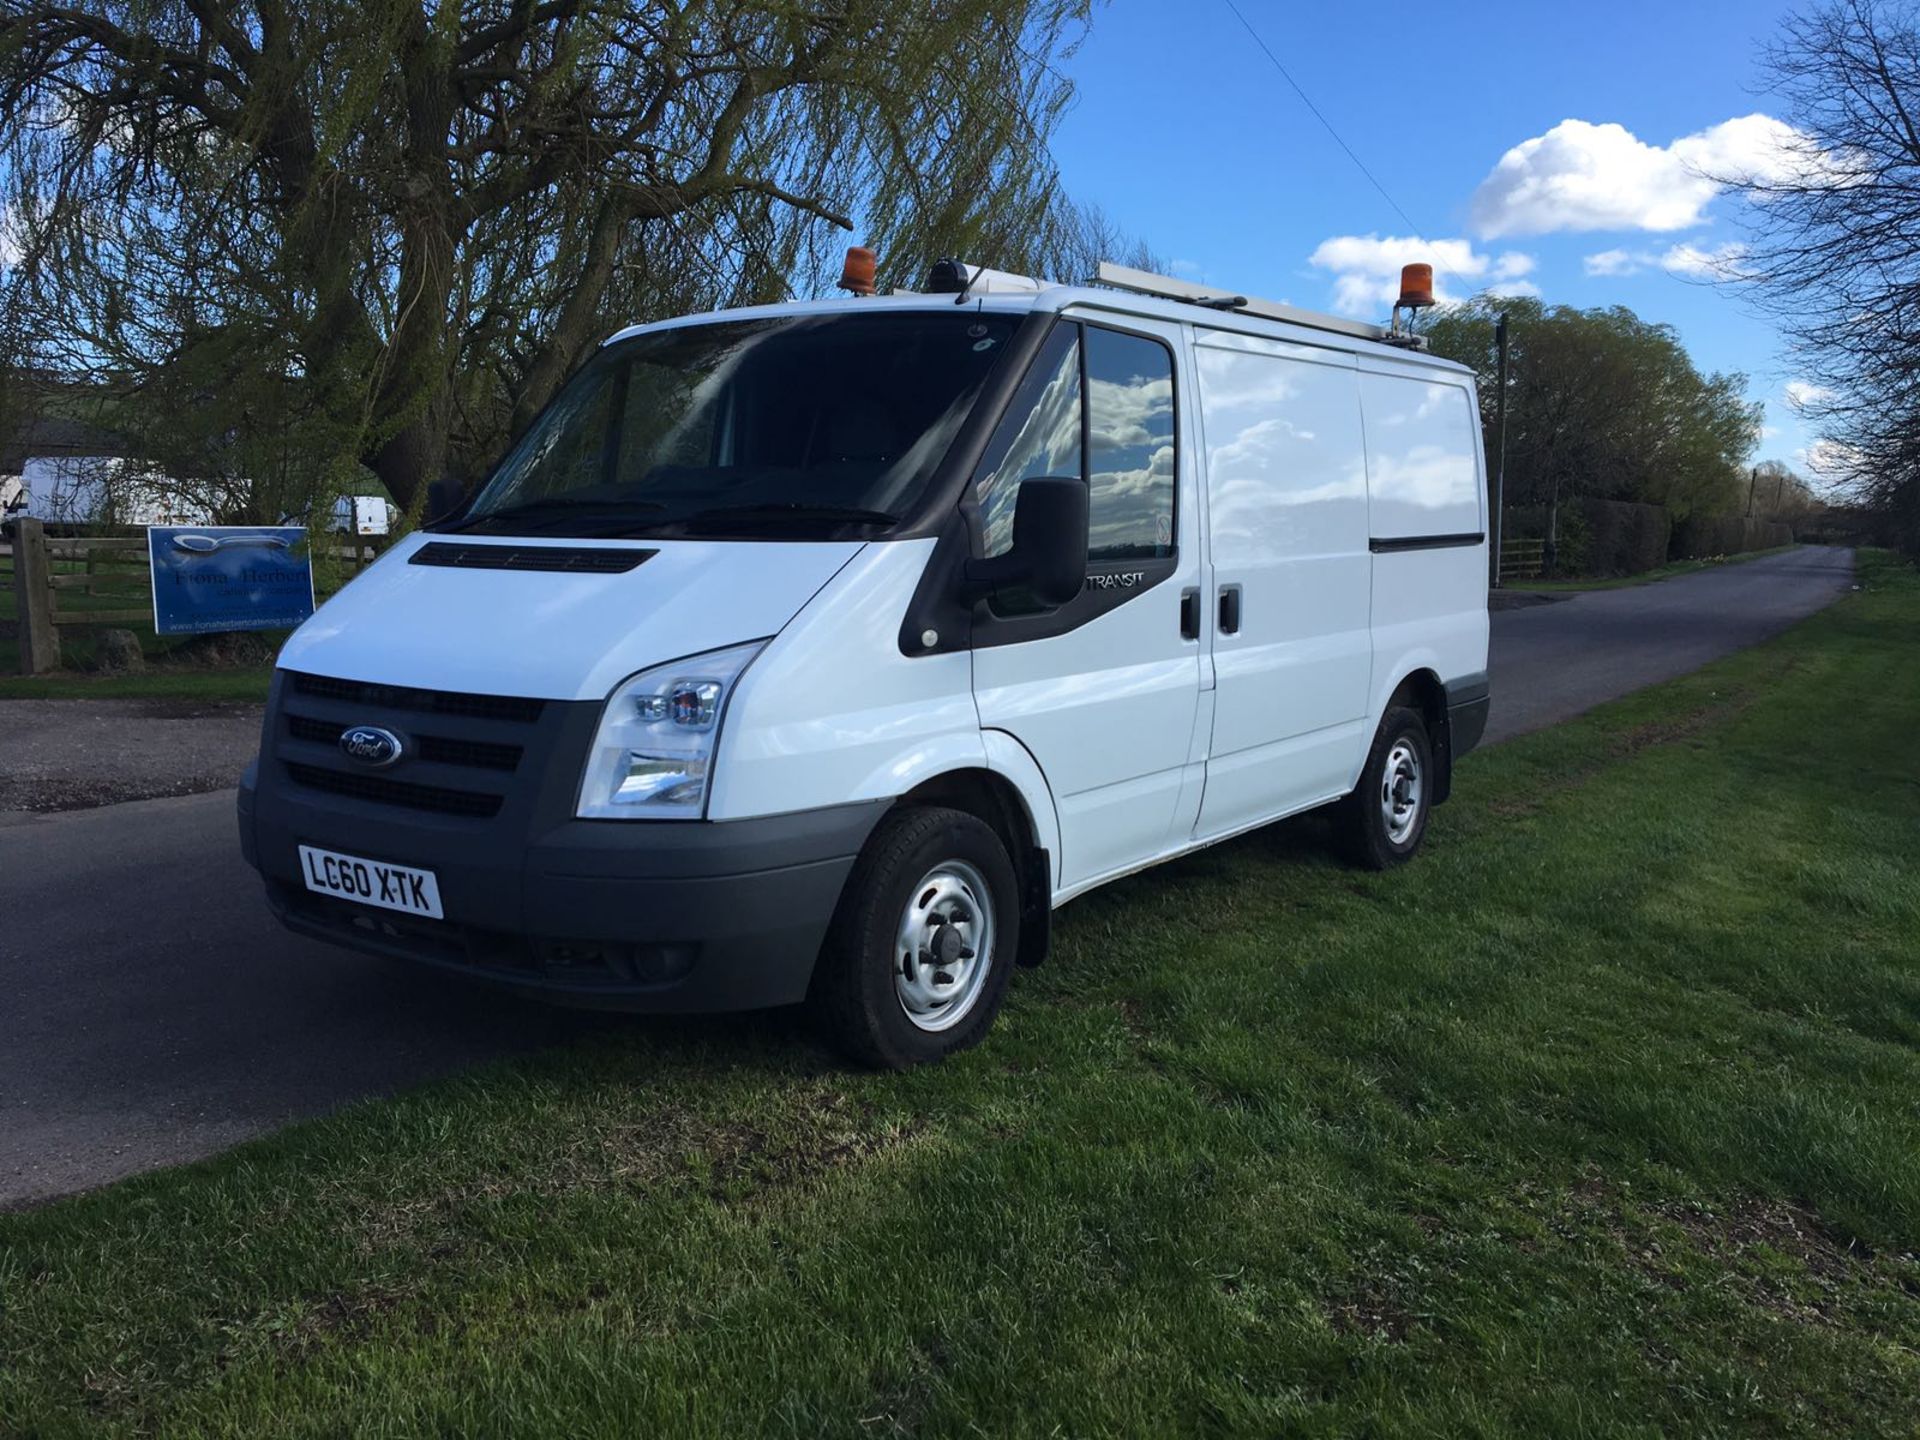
(1229, 609)
(1190, 614)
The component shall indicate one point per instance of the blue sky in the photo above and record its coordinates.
(1187, 136)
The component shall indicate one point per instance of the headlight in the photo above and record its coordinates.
(653, 752)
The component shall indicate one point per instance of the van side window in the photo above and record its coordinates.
(1039, 435)
(1130, 454)
(1422, 466)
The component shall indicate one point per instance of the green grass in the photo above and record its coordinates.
(1601, 1119)
(1645, 577)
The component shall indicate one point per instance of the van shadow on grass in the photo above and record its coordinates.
(786, 1042)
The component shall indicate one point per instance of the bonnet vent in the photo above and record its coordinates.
(596, 560)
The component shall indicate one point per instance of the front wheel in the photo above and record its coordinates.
(918, 957)
(1382, 823)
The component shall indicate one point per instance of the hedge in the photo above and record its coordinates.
(1598, 537)
(1703, 535)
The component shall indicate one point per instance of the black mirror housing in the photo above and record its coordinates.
(1049, 554)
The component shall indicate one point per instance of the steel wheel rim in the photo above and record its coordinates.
(943, 947)
(1402, 788)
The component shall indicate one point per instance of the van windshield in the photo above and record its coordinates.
(807, 426)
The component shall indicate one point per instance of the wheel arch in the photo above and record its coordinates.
(1023, 827)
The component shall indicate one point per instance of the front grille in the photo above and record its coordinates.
(513, 708)
(596, 560)
(440, 749)
(384, 791)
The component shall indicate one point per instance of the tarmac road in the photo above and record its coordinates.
(1552, 662)
(151, 1011)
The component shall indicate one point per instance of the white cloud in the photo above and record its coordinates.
(1511, 289)
(1722, 262)
(9, 241)
(1750, 150)
(1829, 462)
(1366, 269)
(1582, 176)
(1611, 262)
(1691, 262)
(1803, 395)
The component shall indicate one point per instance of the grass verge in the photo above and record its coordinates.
(169, 675)
(1599, 1120)
(1647, 577)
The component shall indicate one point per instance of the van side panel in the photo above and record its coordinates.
(1427, 500)
(831, 711)
(1287, 522)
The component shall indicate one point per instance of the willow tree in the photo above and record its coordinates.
(311, 236)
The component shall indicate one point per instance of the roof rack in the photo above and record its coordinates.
(1145, 282)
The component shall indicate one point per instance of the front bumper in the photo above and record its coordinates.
(669, 916)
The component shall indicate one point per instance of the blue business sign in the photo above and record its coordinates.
(229, 577)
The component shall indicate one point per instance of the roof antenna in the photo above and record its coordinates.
(972, 275)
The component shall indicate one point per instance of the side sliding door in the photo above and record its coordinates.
(1289, 619)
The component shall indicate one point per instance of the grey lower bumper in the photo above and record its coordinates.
(636, 915)
(1468, 701)
(1468, 722)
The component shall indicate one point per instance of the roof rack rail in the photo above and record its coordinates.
(1165, 287)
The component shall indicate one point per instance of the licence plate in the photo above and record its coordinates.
(371, 882)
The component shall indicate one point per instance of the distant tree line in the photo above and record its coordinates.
(293, 240)
(1601, 404)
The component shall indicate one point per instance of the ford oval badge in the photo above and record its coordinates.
(371, 745)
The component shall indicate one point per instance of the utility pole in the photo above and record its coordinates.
(1500, 461)
(1755, 480)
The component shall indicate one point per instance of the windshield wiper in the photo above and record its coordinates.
(787, 510)
(558, 509)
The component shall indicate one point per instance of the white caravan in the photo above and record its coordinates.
(91, 489)
(820, 651)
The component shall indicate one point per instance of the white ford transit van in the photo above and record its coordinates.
(822, 650)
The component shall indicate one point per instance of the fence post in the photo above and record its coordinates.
(33, 597)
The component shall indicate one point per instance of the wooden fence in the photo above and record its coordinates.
(61, 580)
(1521, 559)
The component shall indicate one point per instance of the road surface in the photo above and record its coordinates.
(151, 1012)
(1552, 662)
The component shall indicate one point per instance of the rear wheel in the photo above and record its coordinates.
(918, 957)
(1382, 823)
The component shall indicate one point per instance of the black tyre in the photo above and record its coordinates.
(1382, 823)
(918, 957)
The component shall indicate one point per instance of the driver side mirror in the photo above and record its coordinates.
(1049, 554)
